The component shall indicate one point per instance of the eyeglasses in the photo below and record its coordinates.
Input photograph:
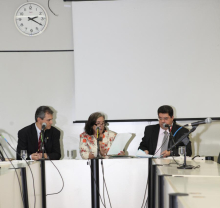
(165, 118)
(100, 124)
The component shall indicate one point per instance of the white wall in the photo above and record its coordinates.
(29, 80)
(57, 36)
(140, 54)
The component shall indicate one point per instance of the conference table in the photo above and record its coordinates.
(185, 187)
(15, 180)
(192, 192)
(126, 181)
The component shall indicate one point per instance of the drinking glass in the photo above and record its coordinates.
(23, 154)
(181, 151)
(68, 154)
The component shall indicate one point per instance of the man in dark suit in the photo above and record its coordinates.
(29, 138)
(153, 140)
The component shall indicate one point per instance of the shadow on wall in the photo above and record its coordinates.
(192, 139)
(128, 143)
(197, 141)
(61, 131)
(61, 142)
(6, 147)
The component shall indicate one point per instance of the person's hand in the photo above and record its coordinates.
(40, 155)
(165, 153)
(91, 156)
(103, 151)
(121, 153)
(35, 156)
(9, 159)
(146, 151)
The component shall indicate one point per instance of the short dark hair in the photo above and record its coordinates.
(92, 121)
(40, 112)
(165, 109)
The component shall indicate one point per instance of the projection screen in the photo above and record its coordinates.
(130, 57)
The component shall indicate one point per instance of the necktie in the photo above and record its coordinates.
(39, 144)
(165, 141)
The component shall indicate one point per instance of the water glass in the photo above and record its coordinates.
(24, 154)
(181, 151)
(69, 154)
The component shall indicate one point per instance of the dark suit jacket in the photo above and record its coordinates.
(27, 140)
(149, 141)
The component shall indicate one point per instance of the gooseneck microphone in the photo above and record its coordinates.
(97, 132)
(166, 125)
(43, 126)
(206, 121)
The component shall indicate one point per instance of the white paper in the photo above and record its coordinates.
(141, 153)
(119, 144)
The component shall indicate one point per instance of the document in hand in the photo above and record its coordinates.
(141, 153)
(119, 144)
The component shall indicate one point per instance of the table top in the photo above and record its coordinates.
(202, 191)
(169, 167)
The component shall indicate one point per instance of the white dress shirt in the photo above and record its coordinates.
(38, 131)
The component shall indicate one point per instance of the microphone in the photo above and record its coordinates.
(97, 132)
(166, 125)
(43, 126)
(207, 120)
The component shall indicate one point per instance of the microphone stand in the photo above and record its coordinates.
(95, 175)
(98, 146)
(171, 137)
(185, 140)
(43, 170)
(97, 140)
(42, 144)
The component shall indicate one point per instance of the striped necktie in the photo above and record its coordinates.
(165, 141)
(39, 144)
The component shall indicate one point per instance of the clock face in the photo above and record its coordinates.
(31, 19)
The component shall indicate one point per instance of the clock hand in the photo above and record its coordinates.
(29, 18)
(34, 17)
(36, 22)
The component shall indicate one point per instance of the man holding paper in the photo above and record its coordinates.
(156, 137)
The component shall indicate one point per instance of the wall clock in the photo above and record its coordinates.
(31, 19)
